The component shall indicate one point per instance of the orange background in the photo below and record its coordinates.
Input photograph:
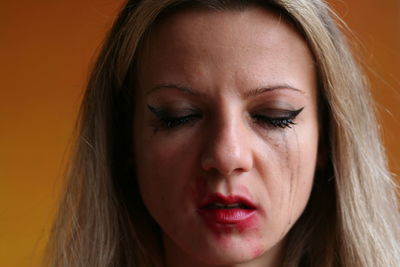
(46, 50)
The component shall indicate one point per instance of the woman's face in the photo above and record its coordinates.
(226, 134)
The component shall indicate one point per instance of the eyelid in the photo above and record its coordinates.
(269, 117)
(282, 121)
(171, 112)
(280, 113)
(168, 121)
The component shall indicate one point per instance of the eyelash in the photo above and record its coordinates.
(285, 121)
(167, 121)
(174, 122)
(170, 122)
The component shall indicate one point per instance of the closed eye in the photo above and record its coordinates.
(269, 118)
(170, 120)
(278, 119)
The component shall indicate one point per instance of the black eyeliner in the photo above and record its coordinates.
(294, 113)
(168, 121)
(281, 121)
(160, 113)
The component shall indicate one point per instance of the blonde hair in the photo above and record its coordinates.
(352, 216)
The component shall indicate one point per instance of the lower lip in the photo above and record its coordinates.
(241, 219)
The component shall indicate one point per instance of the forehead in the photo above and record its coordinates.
(201, 28)
(237, 44)
(191, 21)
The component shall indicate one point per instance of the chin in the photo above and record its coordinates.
(225, 258)
(230, 253)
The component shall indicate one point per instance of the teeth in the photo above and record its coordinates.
(231, 206)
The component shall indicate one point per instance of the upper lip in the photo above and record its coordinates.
(226, 200)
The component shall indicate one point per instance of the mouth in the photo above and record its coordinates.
(228, 206)
(219, 201)
(230, 210)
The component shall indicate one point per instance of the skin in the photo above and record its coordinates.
(210, 64)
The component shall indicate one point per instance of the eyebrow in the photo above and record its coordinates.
(182, 88)
(248, 94)
(260, 90)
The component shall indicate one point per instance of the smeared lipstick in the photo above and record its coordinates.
(228, 211)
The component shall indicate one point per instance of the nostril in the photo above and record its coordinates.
(212, 164)
(224, 167)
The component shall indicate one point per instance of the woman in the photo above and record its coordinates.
(232, 133)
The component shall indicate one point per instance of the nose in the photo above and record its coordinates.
(227, 149)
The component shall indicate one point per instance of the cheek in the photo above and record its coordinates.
(302, 162)
(288, 176)
(154, 181)
(163, 168)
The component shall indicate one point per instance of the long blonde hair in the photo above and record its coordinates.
(352, 216)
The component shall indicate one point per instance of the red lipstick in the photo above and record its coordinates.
(228, 211)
